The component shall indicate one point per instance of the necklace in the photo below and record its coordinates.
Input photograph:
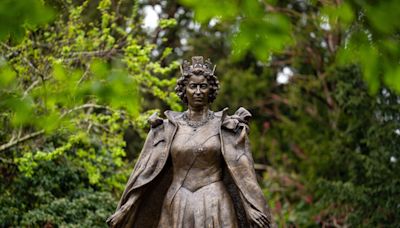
(196, 124)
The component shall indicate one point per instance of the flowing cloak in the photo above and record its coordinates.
(142, 199)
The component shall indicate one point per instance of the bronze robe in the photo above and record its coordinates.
(142, 199)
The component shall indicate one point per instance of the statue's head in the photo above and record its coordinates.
(198, 85)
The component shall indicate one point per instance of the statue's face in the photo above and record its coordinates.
(197, 91)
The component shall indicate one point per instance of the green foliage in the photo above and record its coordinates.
(369, 31)
(82, 211)
(257, 32)
(61, 196)
(20, 15)
(206, 10)
(69, 91)
(347, 152)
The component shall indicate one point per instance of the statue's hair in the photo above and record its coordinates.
(184, 79)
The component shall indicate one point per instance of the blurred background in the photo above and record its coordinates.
(79, 78)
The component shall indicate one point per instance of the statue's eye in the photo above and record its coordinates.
(192, 86)
(204, 86)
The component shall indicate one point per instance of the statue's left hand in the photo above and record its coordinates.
(260, 219)
(114, 219)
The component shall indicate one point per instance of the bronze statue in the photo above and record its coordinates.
(195, 168)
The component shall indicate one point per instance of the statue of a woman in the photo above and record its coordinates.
(195, 168)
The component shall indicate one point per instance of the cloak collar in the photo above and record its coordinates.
(172, 116)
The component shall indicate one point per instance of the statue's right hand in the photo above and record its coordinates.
(109, 221)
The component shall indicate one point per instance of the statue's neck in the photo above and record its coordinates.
(197, 113)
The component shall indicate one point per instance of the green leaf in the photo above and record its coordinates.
(167, 23)
(392, 78)
(22, 110)
(271, 34)
(99, 69)
(339, 15)
(59, 72)
(369, 60)
(7, 76)
(206, 10)
(19, 15)
(384, 15)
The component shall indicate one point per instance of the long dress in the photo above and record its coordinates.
(197, 196)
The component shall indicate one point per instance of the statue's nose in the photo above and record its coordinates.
(198, 89)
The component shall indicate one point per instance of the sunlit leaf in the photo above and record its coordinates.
(99, 69)
(22, 110)
(342, 14)
(206, 10)
(392, 78)
(59, 73)
(7, 76)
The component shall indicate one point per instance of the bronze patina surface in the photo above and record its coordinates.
(195, 168)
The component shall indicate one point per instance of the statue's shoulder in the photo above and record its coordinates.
(236, 121)
(171, 117)
(155, 121)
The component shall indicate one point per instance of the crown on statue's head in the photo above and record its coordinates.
(197, 63)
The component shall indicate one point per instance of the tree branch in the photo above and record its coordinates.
(7, 161)
(86, 106)
(15, 142)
